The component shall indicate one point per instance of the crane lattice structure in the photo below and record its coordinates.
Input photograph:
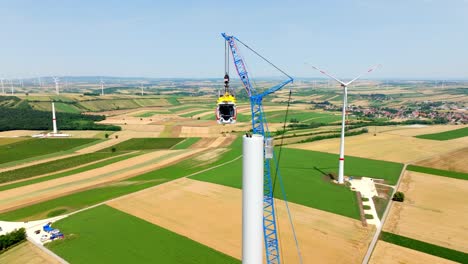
(259, 126)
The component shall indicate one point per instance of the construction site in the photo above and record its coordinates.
(253, 166)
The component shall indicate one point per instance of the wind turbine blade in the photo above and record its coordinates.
(368, 71)
(327, 74)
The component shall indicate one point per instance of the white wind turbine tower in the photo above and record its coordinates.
(141, 86)
(344, 85)
(102, 87)
(56, 80)
(3, 86)
(11, 86)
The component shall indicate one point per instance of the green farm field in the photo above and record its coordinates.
(445, 173)
(447, 135)
(90, 197)
(52, 166)
(422, 246)
(151, 113)
(186, 143)
(104, 235)
(304, 182)
(59, 107)
(302, 116)
(193, 113)
(147, 143)
(36, 147)
(67, 163)
(186, 107)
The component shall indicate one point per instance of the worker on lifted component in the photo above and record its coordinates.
(226, 82)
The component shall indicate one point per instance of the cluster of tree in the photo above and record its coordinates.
(390, 123)
(93, 93)
(28, 119)
(399, 197)
(12, 238)
(305, 126)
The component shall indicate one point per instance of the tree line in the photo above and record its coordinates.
(12, 238)
(29, 119)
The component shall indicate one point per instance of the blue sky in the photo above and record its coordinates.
(411, 39)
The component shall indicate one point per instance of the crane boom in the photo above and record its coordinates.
(259, 126)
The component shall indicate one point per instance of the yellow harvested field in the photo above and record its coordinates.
(435, 210)
(415, 130)
(394, 145)
(452, 161)
(387, 253)
(211, 214)
(130, 120)
(26, 252)
(34, 193)
(85, 133)
(6, 141)
(19, 133)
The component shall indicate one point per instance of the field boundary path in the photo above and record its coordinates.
(375, 239)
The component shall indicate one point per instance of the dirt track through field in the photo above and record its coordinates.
(211, 214)
(388, 145)
(386, 253)
(34, 193)
(435, 210)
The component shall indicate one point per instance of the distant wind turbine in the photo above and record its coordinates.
(3, 86)
(11, 86)
(102, 87)
(344, 85)
(56, 80)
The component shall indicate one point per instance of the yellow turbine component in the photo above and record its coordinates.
(226, 98)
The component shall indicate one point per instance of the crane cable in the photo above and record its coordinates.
(226, 63)
(282, 186)
(265, 59)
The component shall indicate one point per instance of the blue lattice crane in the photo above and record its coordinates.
(259, 126)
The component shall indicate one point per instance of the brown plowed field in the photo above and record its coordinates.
(453, 161)
(435, 210)
(211, 214)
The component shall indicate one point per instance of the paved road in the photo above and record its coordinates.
(384, 217)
